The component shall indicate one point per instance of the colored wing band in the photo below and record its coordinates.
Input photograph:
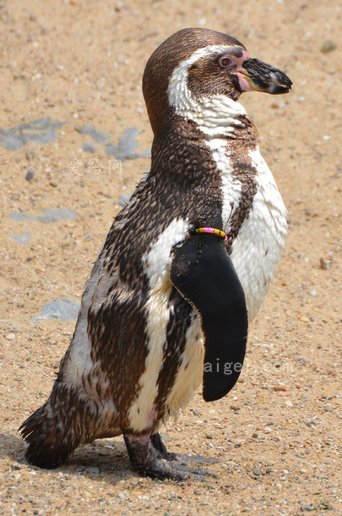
(212, 231)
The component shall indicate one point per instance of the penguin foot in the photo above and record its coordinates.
(146, 460)
(158, 444)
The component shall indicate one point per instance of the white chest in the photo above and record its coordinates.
(256, 250)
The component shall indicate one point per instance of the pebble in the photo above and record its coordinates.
(29, 175)
(328, 46)
(313, 292)
(10, 336)
(307, 507)
(324, 264)
(279, 388)
(256, 471)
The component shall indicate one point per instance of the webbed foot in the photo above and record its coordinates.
(146, 460)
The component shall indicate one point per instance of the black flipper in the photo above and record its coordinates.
(204, 274)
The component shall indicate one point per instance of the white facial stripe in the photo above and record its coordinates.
(179, 95)
(156, 264)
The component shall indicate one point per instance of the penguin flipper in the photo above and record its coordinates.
(203, 273)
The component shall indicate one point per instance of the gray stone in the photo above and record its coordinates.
(61, 309)
(42, 130)
(307, 507)
(328, 46)
(29, 175)
(256, 471)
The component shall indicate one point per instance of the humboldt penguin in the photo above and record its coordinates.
(183, 269)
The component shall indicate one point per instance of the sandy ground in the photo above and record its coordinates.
(273, 443)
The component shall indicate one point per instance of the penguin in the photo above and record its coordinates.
(184, 268)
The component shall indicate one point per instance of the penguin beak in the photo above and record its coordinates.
(254, 75)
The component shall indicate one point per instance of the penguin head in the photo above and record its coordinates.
(193, 65)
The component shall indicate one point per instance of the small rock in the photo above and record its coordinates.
(325, 505)
(10, 336)
(328, 408)
(324, 264)
(289, 403)
(256, 471)
(328, 46)
(29, 175)
(279, 388)
(313, 292)
(307, 507)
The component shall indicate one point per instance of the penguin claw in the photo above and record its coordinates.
(161, 448)
(162, 470)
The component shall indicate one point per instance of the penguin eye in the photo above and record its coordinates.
(225, 62)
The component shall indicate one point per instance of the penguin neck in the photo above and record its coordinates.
(214, 122)
(217, 115)
(212, 118)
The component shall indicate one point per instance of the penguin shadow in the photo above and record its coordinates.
(103, 460)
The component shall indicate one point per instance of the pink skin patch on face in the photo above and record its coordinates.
(244, 84)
